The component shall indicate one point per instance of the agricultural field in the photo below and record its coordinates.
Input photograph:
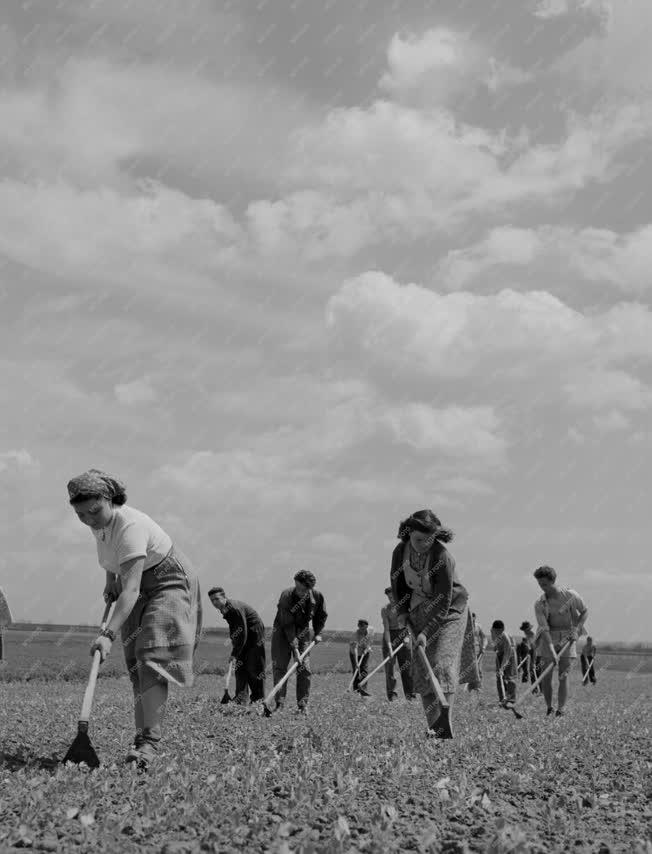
(353, 775)
(43, 654)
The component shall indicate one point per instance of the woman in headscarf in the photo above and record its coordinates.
(157, 601)
(432, 602)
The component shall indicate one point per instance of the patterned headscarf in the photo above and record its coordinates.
(95, 482)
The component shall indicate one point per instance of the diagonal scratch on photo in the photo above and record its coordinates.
(326, 435)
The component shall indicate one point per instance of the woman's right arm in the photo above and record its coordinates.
(112, 587)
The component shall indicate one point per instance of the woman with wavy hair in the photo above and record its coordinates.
(432, 602)
(157, 601)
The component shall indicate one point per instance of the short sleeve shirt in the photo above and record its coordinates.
(388, 616)
(131, 534)
(360, 642)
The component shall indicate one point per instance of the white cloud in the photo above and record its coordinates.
(311, 225)
(501, 75)
(624, 261)
(576, 436)
(100, 115)
(241, 476)
(519, 343)
(547, 9)
(611, 422)
(410, 328)
(133, 393)
(453, 430)
(394, 173)
(18, 460)
(503, 246)
(617, 59)
(615, 389)
(441, 65)
(299, 438)
(433, 65)
(156, 236)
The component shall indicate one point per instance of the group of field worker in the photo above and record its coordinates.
(157, 611)
(299, 608)
(426, 605)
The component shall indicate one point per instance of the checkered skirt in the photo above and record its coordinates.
(450, 651)
(165, 623)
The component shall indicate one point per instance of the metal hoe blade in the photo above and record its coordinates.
(81, 751)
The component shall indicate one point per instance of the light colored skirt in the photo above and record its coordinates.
(165, 623)
(450, 651)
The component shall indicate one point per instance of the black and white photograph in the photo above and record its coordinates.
(325, 426)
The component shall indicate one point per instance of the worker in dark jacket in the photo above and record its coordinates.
(247, 634)
(506, 668)
(298, 607)
(528, 660)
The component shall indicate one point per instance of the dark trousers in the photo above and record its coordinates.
(528, 672)
(585, 662)
(531, 669)
(2, 645)
(250, 673)
(509, 682)
(281, 658)
(404, 659)
(362, 669)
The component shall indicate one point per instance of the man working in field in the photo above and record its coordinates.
(505, 663)
(392, 636)
(560, 614)
(247, 634)
(587, 661)
(480, 643)
(527, 657)
(298, 607)
(359, 654)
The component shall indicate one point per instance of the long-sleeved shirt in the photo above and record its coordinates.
(439, 584)
(246, 629)
(505, 654)
(295, 613)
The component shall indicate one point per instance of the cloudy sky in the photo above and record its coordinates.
(294, 270)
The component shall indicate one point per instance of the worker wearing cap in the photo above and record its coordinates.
(392, 636)
(298, 607)
(359, 654)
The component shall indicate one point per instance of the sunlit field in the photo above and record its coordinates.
(353, 775)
